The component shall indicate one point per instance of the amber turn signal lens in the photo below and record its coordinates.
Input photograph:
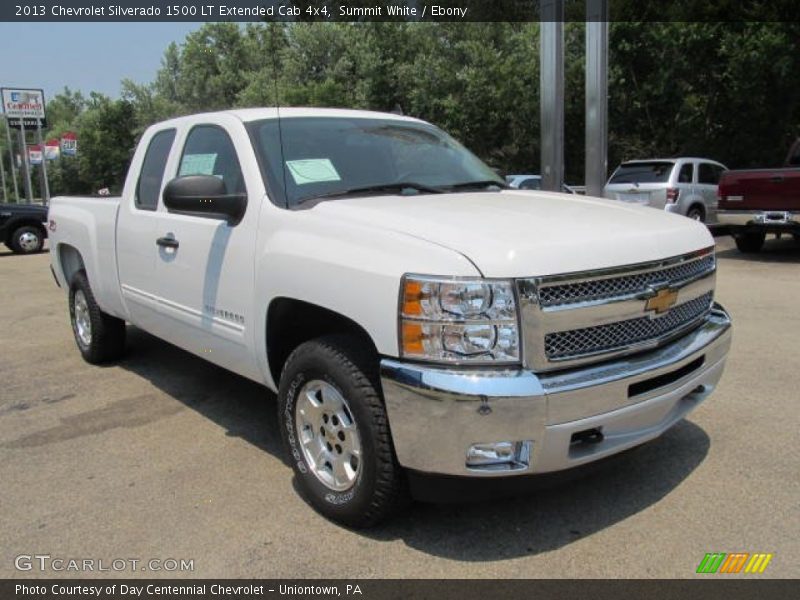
(412, 298)
(412, 339)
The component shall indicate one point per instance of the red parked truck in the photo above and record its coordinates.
(756, 202)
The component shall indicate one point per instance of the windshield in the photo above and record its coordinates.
(328, 156)
(643, 172)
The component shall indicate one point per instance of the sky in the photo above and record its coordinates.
(84, 56)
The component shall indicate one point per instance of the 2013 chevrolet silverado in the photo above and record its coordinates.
(412, 313)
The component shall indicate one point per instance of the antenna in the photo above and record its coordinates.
(273, 26)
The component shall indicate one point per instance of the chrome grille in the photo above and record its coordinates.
(613, 336)
(597, 289)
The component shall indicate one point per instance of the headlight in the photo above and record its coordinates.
(459, 320)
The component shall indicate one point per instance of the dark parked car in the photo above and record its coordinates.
(23, 227)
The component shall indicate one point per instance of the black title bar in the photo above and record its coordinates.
(401, 10)
(710, 587)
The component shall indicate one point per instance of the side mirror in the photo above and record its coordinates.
(204, 196)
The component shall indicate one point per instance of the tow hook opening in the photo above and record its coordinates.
(587, 436)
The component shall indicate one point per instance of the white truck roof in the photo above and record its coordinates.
(257, 114)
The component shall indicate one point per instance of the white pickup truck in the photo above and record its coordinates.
(413, 314)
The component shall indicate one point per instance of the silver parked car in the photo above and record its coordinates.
(686, 186)
(532, 182)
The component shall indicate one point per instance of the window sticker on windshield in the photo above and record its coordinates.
(312, 170)
(197, 164)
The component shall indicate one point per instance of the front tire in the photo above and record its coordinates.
(27, 240)
(99, 336)
(750, 242)
(336, 432)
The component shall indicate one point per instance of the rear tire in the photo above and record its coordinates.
(751, 242)
(697, 213)
(99, 336)
(27, 239)
(336, 433)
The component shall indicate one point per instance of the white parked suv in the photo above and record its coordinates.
(413, 315)
(684, 186)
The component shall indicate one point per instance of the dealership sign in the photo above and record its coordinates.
(24, 106)
(52, 149)
(35, 154)
(69, 144)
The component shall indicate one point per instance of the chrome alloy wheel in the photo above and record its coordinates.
(28, 241)
(83, 321)
(328, 435)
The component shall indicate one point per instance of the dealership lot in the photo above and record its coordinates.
(164, 456)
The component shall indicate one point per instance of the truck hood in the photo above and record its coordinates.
(527, 233)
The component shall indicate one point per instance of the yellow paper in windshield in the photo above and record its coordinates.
(312, 170)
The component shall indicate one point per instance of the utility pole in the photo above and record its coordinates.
(596, 167)
(45, 185)
(3, 179)
(551, 94)
(26, 167)
(11, 157)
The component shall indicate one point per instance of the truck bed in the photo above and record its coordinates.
(760, 189)
(88, 224)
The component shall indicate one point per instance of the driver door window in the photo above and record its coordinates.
(209, 151)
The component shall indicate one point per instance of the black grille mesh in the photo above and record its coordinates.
(614, 336)
(596, 289)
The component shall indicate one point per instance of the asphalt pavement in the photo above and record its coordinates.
(164, 456)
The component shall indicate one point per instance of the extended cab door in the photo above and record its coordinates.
(205, 266)
(136, 229)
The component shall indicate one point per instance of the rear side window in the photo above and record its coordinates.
(643, 172)
(686, 174)
(209, 151)
(152, 174)
(709, 174)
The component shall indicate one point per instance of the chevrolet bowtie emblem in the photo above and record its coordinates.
(662, 301)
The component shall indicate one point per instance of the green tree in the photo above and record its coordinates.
(106, 142)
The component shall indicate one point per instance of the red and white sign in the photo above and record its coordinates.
(52, 149)
(23, 103)
(69, 144)
(35, 154)
(24, 107)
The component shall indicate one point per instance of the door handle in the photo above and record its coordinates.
(167, 242)
(776, 179)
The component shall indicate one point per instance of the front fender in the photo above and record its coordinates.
(346, 268)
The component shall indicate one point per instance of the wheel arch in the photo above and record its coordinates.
(70, 262)
(291, 322)
(698, 204)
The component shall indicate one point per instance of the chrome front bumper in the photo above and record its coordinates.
(742, 218)
(436, 414)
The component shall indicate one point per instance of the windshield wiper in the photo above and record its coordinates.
(484, 183)
(381, 187)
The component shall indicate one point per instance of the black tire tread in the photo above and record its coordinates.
(16, 248)
(700, 209)
(108, 332)
(361, 366)
(750, 243)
